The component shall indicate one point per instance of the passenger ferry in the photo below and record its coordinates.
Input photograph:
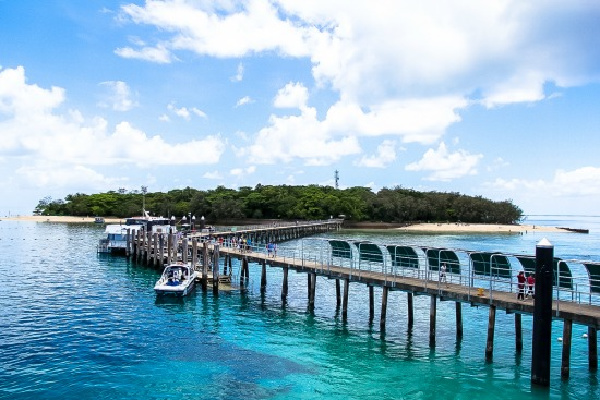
(117, 240)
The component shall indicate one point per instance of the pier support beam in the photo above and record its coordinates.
(345, 305)
(489, 347)
(204, 266)
(157, 250)
(284, 288)
(337, 293)
(541, 335)
(308, 285)
(432, 314)
(313, 286)
(263, 277)
(592, 348)
(194, 253)
(371, 303)
(215, 270)
(384, 297)
(459, 320)
(409, 302)
(518, 334)
(566, 350)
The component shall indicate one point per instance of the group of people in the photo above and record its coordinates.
(271, 249)
(523, 281)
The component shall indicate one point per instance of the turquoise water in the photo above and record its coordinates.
(74, 326)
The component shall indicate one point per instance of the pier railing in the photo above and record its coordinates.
(578, 280)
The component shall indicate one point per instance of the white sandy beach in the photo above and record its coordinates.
(477, 228)
(41, 218)
(423, 227)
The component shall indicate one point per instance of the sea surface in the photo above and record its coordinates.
(75, 325)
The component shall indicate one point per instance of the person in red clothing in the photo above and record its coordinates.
(530, 284)
(521, 285)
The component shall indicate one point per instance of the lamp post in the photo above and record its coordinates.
(193, 223)
(202, 223)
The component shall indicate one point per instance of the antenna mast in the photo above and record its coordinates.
(337, 178)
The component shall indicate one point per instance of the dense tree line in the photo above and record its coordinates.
(290, 202)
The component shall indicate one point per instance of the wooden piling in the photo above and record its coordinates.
(204, 266)
(194, 253)
(313, 286)
(459, 321)
(169, 245)
(592, 348)
(215, 270)
(184, 251)
(337, 293)
(345, 305)
(148, 247)
(409, 302)
(384, 297)
(432, 314)
(308, 285)
(284, 288)
(489, 348)
(566, 348)
(518, 333)
(263, 277)
(161, 247)
(371, 303)
(156, 250)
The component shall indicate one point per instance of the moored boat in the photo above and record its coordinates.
(176, 279)
(117, 236)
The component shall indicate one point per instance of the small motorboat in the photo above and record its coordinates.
(176, 279)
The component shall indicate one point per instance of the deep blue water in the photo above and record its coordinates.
(75, 326)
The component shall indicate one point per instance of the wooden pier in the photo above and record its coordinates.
(430, 284)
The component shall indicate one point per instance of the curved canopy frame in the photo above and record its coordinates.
(435, 257)
(491, 264)
(403, 256)
(340, 248)
(368, 251)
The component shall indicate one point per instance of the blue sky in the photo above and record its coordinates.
(499, 99)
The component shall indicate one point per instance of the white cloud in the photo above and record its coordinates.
(386, 153)
(243, 101)
(446, 166)
(506, 50)
(302, 137)
(243, 171)
(581, 182)
(164, 118)
(212, 175)
(239, 74)
(158, 54)
(35, 136)
(293, 95)
(119, 96)
(185, 112)
(198, 112)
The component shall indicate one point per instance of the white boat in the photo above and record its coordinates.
(176, 279)
(117, 239)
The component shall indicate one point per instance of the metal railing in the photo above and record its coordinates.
(318, 253)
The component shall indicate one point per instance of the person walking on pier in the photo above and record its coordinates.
(521, 285)
(443, 274)
(270, 249)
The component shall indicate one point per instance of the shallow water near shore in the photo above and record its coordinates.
(77, 326)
